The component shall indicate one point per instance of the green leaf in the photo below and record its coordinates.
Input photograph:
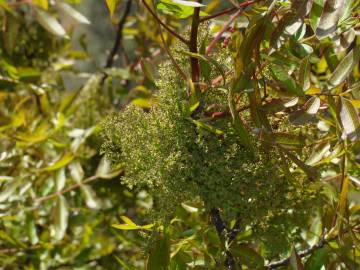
(105, 170)
(248, 256)
(73, 13)
(310, 171)
(177, 9)
(330, 17)
(317, 260)
(285, 80)
(304, 74)
(50, 23)
(315, 13)
(61, 215)
(159, 257)
(147, 69)
(344, 67)
(238, 123)
(349, 119)
(207, 127)
(125, 227)
(111, 5)
(44, 4)
(128, 221)
(90, 197)
(9, 190)
(76, 171)
(122, 263)
(61, 162)
(209, 60)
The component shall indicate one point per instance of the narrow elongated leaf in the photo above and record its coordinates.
(44, 4)
(111, 5)
(188, 3)
(310, 171)
(238, 123)
(315, 13)
(60, 179)
(90, 197)
(330, 17)
(317, 154)
(349, 119)
(61, 162)
(61, 215)
(50, 23)
(73, 13)
(128, 221)
(345, 67)
(285, 80)
(312, 105)
(304, 74)
(317, 260)
(159, 258)
(343, 200)
(76, 171)
(9, 190)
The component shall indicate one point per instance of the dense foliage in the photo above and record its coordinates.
(212, 134)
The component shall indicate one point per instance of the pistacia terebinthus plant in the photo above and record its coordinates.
(180, 154)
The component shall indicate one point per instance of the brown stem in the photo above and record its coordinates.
(66, 190)
(172, 32)
(119, 34)
(226, 11)
(223, 12)
(194, 62)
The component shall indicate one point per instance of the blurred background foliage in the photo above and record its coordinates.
(292, 71)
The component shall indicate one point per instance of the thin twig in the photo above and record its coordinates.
(172, 59)
(215, 15)
(242, 7)
(301, 254)
(219, 34)
(171, 31)
(119, 34)
(66, 190)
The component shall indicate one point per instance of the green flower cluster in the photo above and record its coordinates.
(179, 158)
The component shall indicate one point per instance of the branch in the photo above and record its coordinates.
(225, 27)
(301, 254)
(118, 39)
(220, 226)
(194, 62)
(66, 190)
(172, 32)
(225, 11)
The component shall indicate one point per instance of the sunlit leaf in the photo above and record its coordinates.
(349, 119)
(111, 5)
(61, 215)
(330, 17)
(42, 3)
(73, 13)
(345, 67)
(9, 189)
(61, 162)
(50, 23)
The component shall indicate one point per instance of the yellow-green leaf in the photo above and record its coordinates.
(61, 162)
